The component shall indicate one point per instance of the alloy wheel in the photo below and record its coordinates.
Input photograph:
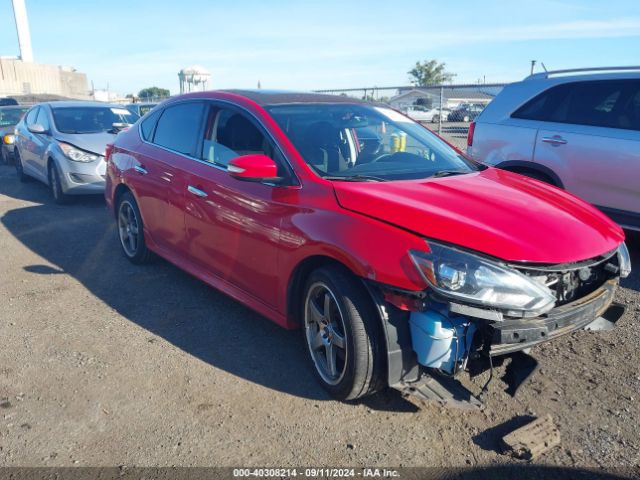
(128, 228)
(325, 333)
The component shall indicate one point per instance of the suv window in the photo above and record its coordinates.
(31, 116)
(43, 119)
(179, 126)
(604, 103)
(230, 134)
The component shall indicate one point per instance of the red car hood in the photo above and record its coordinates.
(499, 213)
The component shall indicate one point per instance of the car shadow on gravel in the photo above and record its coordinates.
(80, 240)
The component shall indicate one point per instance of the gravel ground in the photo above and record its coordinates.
(106, 363)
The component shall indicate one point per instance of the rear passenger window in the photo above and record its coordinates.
(148, 124)
(542, 106)
(179, 126)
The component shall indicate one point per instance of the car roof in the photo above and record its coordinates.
(15, 107)
(275, 97)
(79, 103)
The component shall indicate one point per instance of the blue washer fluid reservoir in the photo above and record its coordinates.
(439, 341)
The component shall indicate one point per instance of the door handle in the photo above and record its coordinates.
(196, 191)
(140, 169)
(555, 140)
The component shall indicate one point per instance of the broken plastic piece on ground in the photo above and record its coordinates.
(533, 439)
(441, 389)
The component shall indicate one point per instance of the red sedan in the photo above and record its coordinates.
(404, 262)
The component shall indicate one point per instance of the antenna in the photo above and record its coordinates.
(545, 68)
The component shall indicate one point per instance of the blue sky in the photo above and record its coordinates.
(321, 44)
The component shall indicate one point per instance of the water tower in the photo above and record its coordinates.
(193, 78)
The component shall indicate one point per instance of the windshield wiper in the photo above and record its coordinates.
(449, 173)
(355, 178)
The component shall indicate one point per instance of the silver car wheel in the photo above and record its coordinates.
(325, 333)
(128, 228)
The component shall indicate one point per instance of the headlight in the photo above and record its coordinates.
(8, 139)
(76, 154)
(624, 260)
(472, 279)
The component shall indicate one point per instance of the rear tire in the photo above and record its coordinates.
(131, 230)
(58, 194)
(19, 169)
(342, 334)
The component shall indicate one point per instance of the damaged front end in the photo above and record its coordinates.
(478, 311)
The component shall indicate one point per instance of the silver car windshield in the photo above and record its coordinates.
(91, 119)
(366, 143)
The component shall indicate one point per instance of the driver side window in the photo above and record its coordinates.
(230, 134)
(30, 119)
(43, 118)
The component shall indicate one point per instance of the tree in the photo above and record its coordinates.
(153, 92)
(429, 72)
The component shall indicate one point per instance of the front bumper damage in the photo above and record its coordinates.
(492, 342)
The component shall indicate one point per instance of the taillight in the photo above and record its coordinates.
(472, 130)
(107, 152)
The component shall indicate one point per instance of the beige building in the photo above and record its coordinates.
(25, 78)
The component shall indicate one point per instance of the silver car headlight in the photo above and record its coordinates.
(475, 280)
(624, 260)
(77, 155)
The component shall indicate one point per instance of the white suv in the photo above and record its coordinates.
(576, 129)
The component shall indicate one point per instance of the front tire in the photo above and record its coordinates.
(58, 194)
(131, 230)
(342, 333)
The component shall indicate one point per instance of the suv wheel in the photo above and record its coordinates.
(342, 334)
(56, 186)
(19, 170)
(130, 230)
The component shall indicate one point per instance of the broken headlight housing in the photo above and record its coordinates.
(624, 260)
(472, 279)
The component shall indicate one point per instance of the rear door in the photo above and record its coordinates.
(157, 175)
(28, 144)
(591, 139)
(41, 143)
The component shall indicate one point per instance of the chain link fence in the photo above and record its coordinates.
(445, 109)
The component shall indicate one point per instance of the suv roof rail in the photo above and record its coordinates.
(581, 70)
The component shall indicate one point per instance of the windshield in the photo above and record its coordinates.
(367, 143)
(90, 119)
(11, 116)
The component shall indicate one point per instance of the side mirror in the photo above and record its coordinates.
(37, 128)
(253, 168)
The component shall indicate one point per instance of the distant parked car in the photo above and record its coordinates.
(576, 129)
(466, 112)
(9, 117)
(420, 113)
(140, 108)
(63, 144)
(8, 101)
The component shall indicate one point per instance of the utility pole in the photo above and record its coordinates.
(533, 64)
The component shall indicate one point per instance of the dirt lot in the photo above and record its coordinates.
(105, 363)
